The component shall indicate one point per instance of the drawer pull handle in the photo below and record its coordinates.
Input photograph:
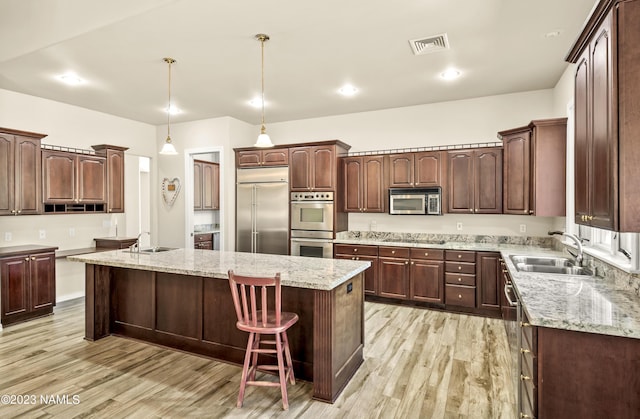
(524, 351)
(524, 377)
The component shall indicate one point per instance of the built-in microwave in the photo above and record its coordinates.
(424, 201)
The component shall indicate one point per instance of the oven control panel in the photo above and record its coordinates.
(312, 196)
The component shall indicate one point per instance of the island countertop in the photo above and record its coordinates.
(295, 271)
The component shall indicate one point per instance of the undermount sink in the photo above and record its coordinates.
(548, 264)
(152, 250)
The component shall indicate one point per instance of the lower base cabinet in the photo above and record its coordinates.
(393, 271)
(569, 374)
(203, 241)
(27, 284)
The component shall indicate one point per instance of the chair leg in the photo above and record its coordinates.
(245, 369)
(281, 373)
(254, 358)
(287, 354)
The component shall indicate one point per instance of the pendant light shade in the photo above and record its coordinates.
(263, 138)
(168, 148)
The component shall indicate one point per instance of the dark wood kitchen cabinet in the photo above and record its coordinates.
(314, 166)
(260, 157)
(206, 185)
(393, 272)
(475, 181)
(20, 172)
(460, 278)
(420, 169)
(534, 168)
(426, 275)
(27, 282)
(489, 273)
(361, 252)
(364, 184)
(607, 126)
(115, 175)
(203, 241)
(73, 178)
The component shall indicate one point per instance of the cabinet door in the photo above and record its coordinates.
(488, 181)
(603, 145)
(208, 181)
(300, 168)
(250, 158)
(373, 197)
(216, 186)
(582, 139)
(7, 171)
(428, 169)
(197, 185)
(401, 170)
(517, 173)
(354, 184)
(489, 272)
(278, 157)
(43, 280)
(427, 281)
(461, 182)
(323, 168)
(115, 180)
(14, 275)
(393, 278)
(59, 177)
(28, 177)
(92, 179)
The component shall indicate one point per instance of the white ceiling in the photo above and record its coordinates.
(316, 46)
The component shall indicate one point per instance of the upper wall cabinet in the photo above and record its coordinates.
(421, 169)
(314, 167)
(20, 172)
(71, 178)
(475, 181)
(534, 168)
(364, 184)
(206, 183)
(607, 117)
(257, 158)
(115, 175)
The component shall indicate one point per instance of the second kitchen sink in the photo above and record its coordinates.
(548, 264)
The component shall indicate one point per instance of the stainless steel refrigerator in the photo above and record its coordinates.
(262, 210)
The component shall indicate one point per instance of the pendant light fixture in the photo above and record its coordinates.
(169, 148)
(263, 138)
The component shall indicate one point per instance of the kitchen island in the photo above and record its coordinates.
(181, 298)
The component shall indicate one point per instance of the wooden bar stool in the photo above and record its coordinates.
(255, 317)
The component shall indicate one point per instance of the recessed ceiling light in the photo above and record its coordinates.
(256, 102)
(348, 90)
(173, 110)
(71, 79)
(450, 74)
(552, 34)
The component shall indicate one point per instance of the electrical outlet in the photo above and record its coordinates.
(8, 236)
(459, 226)
(72, 232)
(43, 234)
(523, 228)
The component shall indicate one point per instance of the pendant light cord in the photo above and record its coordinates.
(262, 39)
(169, 108)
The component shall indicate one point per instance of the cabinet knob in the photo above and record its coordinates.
(459, 296)
(590, 217)
(524, 351)
(459, 279)
(353, 258)
(406, 262)
(531, 212)
(524, 324)
(27, 259)
(524, 377)
(33, 258)
(393, 252)
(426, 253)
(413, 263)
(355, 249)
(459, 256)
(470, 209)
(459, 268)
(19, 211)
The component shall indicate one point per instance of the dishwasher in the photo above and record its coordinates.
(511, 314)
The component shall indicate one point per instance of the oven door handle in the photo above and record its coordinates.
(293, 239)
(507, 294)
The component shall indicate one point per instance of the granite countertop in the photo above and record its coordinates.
(295, 271)
(575, 302)
(570, 302)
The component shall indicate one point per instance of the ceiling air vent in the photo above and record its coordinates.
(429, 44)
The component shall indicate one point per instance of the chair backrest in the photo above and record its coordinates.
(245, 300)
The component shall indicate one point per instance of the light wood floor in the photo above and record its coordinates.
(418, 364)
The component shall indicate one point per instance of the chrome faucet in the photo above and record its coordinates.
(135, 247)
(579, 257)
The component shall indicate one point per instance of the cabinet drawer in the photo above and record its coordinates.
(460, 295)
(460, 267)
(203, 237)
(460, 279)
(461, 255)
(427, 254)
(347, 249)
(393, 252)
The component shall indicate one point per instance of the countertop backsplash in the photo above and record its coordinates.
(446, 238)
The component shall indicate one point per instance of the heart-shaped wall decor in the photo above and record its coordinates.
(170, 190)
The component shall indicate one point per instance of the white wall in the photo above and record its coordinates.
(76, 127)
